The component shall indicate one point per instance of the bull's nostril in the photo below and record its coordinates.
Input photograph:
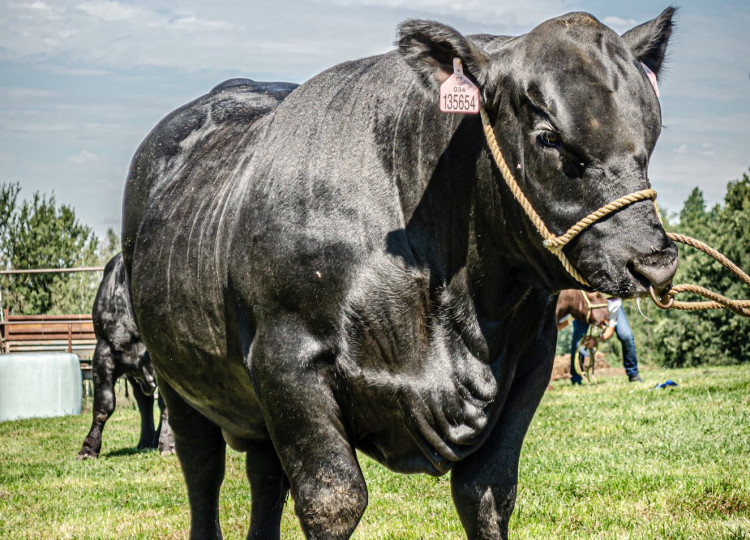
(658, 277)
(656, 269)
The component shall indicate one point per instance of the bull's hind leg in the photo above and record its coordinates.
(269, 490)
(201, 450)
(146, 409)
(103, 373)
(304, 422)
(484, 484)
(165, 439)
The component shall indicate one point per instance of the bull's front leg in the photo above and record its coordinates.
(484, 484)
(103, 373)
(304, 421)
(201, 450)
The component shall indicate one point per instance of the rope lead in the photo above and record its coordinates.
(716, 300)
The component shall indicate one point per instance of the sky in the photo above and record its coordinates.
(83, 81)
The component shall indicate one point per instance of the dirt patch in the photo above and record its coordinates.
(561, 369)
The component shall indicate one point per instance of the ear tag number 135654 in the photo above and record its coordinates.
(458, 94)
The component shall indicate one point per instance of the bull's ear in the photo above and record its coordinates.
(649, 40)
(429, 47)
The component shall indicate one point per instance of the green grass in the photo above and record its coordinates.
(616, 460)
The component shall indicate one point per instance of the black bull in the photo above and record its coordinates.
(348, 270)
(120, 351)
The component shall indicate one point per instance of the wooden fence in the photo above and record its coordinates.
(48, 333)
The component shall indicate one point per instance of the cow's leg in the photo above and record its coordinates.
(201, 450)
(304, 422)
(104, 376)
(327, 485)
(269, 490)
(146, 409)
(484, 484)
(165, 438)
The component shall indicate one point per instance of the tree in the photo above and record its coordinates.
(111, 248)
(677, 338)
(42, 234)
(732, 239)
(8, 198)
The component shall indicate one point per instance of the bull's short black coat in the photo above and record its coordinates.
(340, 266)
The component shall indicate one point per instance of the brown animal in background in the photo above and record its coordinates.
(586, 307)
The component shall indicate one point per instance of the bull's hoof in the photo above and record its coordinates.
(87, 454)
(145, 446)
(166, 444)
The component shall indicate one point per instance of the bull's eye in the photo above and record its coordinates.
(549, 139)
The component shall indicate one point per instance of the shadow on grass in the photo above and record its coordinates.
(122, 452)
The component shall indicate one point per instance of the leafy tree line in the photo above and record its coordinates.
(39, 233)
(681, 338)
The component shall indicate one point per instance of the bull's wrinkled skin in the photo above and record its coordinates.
(347, 270)
(120, 351)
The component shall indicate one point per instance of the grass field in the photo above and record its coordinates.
(616, 460)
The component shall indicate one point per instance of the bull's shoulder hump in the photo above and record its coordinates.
(339, 109)
(361, 81)
(276, 90)
(490, 42)
(234, 101)
(233, 107)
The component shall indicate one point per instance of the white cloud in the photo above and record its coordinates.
(32, 118)
(107, 35)
(707, 149)
(25, 93)
(619, 24)
(37, 6)
(110, 11)
(509, 13)
(78, 72)
(84, 157)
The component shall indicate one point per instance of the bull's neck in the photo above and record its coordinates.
(452, 207)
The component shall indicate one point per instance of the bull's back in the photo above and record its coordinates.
(158, 161)
(112, 314)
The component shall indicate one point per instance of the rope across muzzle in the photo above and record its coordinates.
(555, 244)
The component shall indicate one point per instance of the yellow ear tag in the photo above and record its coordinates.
(458, 94)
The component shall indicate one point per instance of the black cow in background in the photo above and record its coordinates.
(120, 351)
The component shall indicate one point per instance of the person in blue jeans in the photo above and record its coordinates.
(618, 323)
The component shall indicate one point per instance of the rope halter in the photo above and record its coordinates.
(554, 244)
(591, 306)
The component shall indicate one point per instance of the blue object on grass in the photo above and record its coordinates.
(668, 382)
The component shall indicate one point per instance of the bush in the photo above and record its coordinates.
(680, 338)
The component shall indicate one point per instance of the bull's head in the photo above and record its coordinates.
(577, 117)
